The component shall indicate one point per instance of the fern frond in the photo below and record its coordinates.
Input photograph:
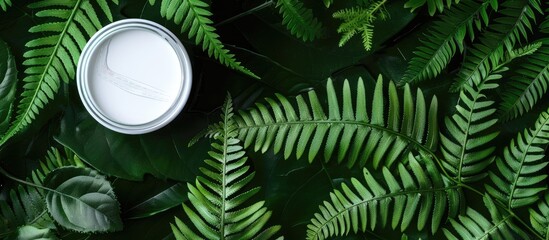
(445, 37)
(4, 4)
(521, 171)
(394, 200)
(218, 196)
(525, 89)
(299, 20)
(53, 160)
(360, 20)
(351, 133)
(539, 218)
(466, 147)
(475, 226)
(194, 18)
(25, 206)
(501, 37)
(53, 58)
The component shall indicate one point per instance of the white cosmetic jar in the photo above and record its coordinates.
(134, 76)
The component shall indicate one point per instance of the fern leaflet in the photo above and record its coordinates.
(360, 20)
(25, 207)
(524, 90)
(54, 57)
(4, 4)
(500, 38)
(193, 16)
(432, 5)
(299, 20)
(475, 226)
(217, 197)
(466, 149)
(444, 37)
(540, 218)
(521, 169)
(396, 201)
(351, 131)
(53, 160)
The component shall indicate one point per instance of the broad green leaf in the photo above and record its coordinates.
(82, 200)
(162, 153)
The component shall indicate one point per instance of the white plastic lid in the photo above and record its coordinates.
(134, 76)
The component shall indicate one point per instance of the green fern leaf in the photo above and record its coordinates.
(218, 196)
(540, 218)
(521, 169)
(193, 16)
(466, 147)
(474, 226)
(4, 4)
(395, 201)
(351, 133)
(53, 160)
(432, 5)
(525, 89)
(54, 57)
(360, 20)
(500, 38)
(299, 20)
(444, 37)
(25, 206)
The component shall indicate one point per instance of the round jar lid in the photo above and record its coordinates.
(134, 76)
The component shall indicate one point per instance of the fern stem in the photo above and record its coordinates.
(246, 13)
(379, 198)
(528, 226)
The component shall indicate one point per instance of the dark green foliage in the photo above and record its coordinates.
(395, 201)
(353, 133)
(432, 5)
(517, 182)
(410, 186)
(4, 4)
(445, 36)
(8, 83)
(473, 225)
(52, 58)
(539, 217)
(299, 20)
(219, 196)
(527, 87)
(25, 206)
(54, 160)
(82, 200)
(194, 18)
(500, 38)
(466, 147)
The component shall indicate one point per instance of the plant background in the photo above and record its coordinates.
(141, 166)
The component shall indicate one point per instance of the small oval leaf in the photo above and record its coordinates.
(82, 200)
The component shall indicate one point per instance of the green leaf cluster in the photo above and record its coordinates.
(218, 196)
